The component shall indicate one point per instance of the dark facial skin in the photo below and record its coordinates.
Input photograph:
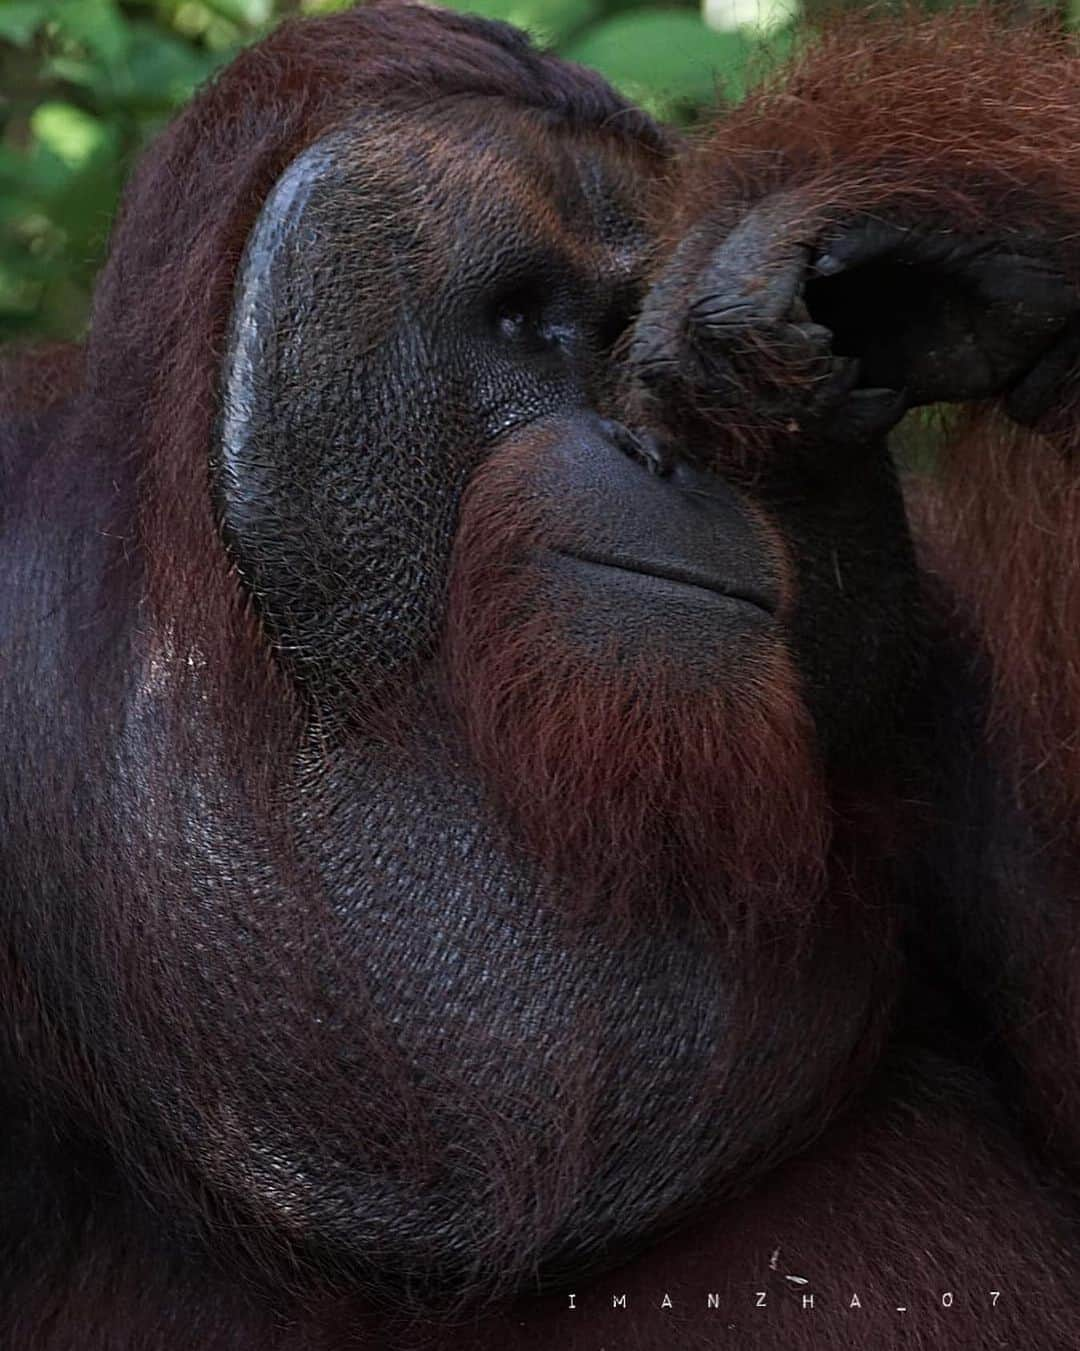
(458, 984)
(730, 362)
(471, 1040)
(500, 315)
(472, 810)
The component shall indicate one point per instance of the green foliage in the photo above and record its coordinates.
(668, 60)
(84, 84)
(551, 22)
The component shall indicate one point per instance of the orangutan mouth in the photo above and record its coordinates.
(681, 573)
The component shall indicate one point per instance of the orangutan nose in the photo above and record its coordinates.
(643, 447)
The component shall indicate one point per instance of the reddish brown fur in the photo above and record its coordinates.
(973, 125)
(908, 132)
(924, 1186)
(909, 122)
(895, 117)
(616, 768)
(154, 368)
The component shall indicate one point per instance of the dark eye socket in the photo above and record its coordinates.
(618, 317)
(522, 319)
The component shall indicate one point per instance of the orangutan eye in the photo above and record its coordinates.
(520, 322)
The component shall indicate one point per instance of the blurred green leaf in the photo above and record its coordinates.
(71, 134)
(96, 25)
(252, 13)
(549, 22)
(665, 57)
(20, 19)
(163, 71)
(86, 83)
(32, 179)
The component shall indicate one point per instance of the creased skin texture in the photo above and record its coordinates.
(379, 985)
(961, 123)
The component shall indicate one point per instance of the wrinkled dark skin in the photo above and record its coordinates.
(558, 1093)
(970, 317)
(314, 1036)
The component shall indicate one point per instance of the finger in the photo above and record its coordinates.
(755, 274)
(1029, 401)
(877, 240)
(866, 416)
(871, 240)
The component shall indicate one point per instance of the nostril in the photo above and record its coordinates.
(654, 454)
(643, 447)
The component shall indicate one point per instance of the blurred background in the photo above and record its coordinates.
(85, 83)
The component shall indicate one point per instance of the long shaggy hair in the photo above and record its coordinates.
(644, 786)
(969, 124)
(955, 120)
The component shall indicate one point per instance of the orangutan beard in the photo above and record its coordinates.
(647, 791)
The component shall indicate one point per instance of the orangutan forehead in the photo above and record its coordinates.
(481, 176)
